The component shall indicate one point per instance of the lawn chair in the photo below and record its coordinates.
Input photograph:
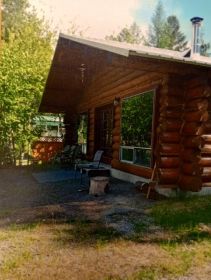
(71, 156)
(68, 155)
(57, 157)
(95, 164)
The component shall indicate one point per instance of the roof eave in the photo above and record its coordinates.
(97, 45)
(168, 58)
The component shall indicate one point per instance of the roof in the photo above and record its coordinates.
(78, 61)
(126, 49)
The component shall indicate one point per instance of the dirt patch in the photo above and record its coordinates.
(23, 200)
(56, 231)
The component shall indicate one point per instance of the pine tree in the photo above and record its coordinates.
(157, 30)
(176, 39)
(165, 33)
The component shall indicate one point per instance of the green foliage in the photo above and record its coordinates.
(204, 49)
(175, 39)
(137, 120)
(131, 34)
(25, 61)
(157, 31)
(165, 33)
(14, 17)
(189, 218)
(205, 46)
(82, 128)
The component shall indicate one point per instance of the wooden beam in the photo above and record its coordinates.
(158, 65)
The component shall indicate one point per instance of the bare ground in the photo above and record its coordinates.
(58, 231)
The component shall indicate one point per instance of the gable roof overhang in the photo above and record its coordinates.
(77, 60)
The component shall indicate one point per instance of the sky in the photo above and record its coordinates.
(98, 18)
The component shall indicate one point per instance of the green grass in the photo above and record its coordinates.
(23, 227)
(4, 213)
(189, 218)
(147, 274)
(16, 261)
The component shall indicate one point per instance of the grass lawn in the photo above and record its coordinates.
(172, 242)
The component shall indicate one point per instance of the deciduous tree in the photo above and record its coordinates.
(24, 64)
(131, 34)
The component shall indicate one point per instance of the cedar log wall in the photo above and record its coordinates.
(116, 82)
(183, 132)
(171, 104)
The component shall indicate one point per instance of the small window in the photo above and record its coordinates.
(83, 131)
(136, 129)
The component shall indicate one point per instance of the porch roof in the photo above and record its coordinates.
(76, 61)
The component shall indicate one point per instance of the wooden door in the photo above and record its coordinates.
(103, 131)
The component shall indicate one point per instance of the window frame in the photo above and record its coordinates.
(153, 140)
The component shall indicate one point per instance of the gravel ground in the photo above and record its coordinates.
(67, 199)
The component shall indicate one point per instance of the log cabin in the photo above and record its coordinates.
(145, 107)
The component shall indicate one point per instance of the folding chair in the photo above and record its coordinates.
(95, 164)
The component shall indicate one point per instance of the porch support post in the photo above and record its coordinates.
(71, 135)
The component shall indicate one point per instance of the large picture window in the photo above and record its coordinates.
(136, 129)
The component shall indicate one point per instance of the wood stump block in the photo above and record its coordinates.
(98, 185)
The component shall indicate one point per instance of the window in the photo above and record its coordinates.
(136, 129)
(82, 131)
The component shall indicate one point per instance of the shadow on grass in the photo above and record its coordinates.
(86, 232)
(170, 222)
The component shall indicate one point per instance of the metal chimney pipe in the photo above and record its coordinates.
(196, 40)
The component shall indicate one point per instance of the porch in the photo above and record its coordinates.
(55, 193)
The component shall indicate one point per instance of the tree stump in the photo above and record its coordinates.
(98, 185)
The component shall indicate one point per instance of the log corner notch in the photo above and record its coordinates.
(195, 166)
(168, 148)
(183, 152)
